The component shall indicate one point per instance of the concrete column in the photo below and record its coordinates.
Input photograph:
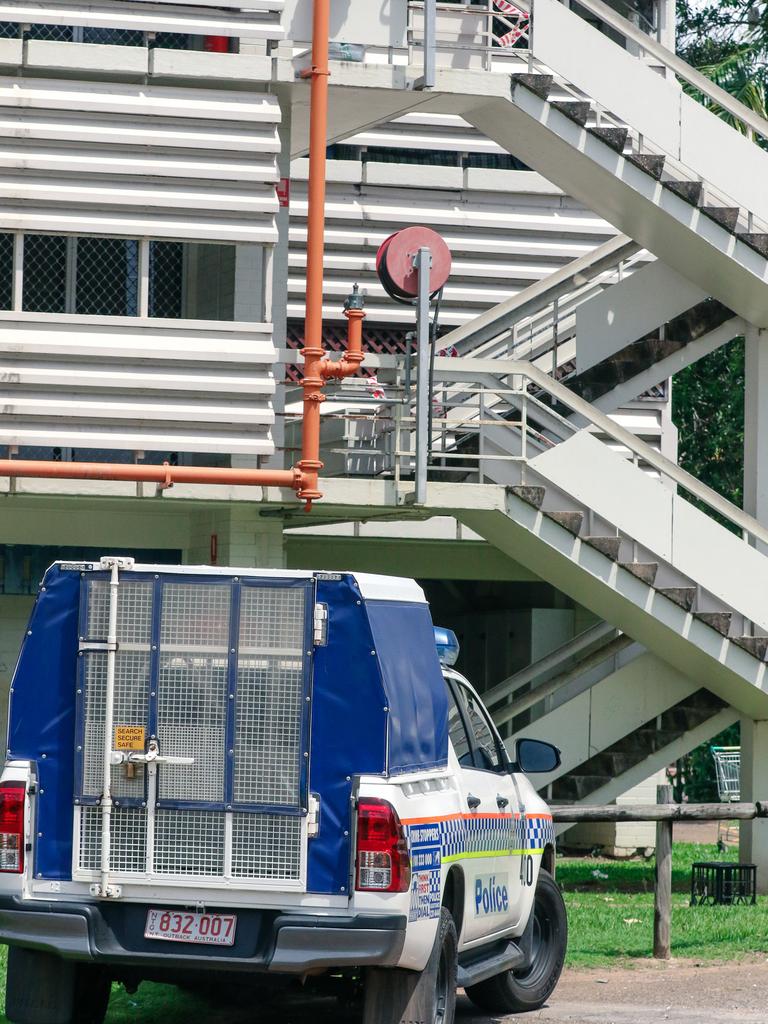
(239, 536)
(753, 843)
(756, 425)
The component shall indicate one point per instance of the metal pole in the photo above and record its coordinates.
(109, 718)
(423, 263)
(430, 40)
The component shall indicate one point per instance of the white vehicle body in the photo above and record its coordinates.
(476, 831)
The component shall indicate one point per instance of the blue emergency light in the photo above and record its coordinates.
(447, 646)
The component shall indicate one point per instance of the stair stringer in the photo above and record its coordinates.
(628, 391)
(634, 202)
(626, 311)
(616, 595)
(660, 521)
(611, 709)
(657, 760)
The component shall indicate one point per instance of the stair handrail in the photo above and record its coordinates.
(551, 662)
(506, 369)
(538, 296)
(670, 60)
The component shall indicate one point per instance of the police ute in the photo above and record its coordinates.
(245, 780)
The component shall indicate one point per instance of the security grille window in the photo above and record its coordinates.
(106, 276)
(97, 276)
(98, 36)
(100, 277)
(218, 671)
(6, 271)
(166, 279)
(45, 274)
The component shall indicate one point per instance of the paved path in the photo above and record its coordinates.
(678, 992)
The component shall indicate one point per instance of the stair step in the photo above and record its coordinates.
(570, 521)
(539, 85)
(648, 162)
(720, 621)
(682, 596)
(727, 216)
(690, 191)
(616, 138)
(755, 241)
(608, 546)
(757, 646)
(645, 571)
(530, 495)
(576, 110)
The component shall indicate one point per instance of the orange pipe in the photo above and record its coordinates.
(350, 362)
(165, 475)
(311, 464)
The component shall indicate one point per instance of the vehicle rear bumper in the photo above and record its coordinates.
(266, 940)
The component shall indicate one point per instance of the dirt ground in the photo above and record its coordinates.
(733, 993)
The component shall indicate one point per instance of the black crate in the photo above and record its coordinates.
(723, 882)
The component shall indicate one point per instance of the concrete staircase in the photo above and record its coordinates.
(654, 740)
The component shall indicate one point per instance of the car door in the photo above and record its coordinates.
(489, 819)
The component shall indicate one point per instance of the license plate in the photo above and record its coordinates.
(180, 926)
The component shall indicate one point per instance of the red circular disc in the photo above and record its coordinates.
(394, 261)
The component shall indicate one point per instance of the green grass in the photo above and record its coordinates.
(611, 919)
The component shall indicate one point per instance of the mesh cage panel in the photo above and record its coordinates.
(270, 696)
(134, 612)
(193, 690)
(266, 846)
(128, 843)
(189, 843)
(132, 665)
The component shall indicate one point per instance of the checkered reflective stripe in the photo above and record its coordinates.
(539, 831)
(466, 835)
(452, 838)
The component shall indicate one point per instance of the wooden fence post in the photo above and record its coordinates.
(663, 893)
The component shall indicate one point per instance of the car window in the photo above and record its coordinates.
(458, 733)
(486, 748)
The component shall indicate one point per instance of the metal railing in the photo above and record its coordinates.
(252, 19)
(522, 406)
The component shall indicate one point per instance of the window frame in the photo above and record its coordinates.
(505, 765)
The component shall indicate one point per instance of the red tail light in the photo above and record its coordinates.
(216, 44)
(12, 826)
(383, 864)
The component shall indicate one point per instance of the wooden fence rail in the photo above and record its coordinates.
(665, 814)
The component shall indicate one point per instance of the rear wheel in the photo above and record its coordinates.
(397, 996)
(519, 991)
(44, 989)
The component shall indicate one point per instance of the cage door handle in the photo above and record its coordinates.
(151, 757)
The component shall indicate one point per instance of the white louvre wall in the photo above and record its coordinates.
(136, 384)
(247, 19)
(91, 159)
(506, 229)
(129, 160)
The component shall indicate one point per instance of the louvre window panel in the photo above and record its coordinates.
(127, 160)
(245, 19)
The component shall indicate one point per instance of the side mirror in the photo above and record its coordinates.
(534, 756)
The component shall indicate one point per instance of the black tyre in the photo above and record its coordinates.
(519, 991)
(44, 989)
(397, 996)
(93, 988)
